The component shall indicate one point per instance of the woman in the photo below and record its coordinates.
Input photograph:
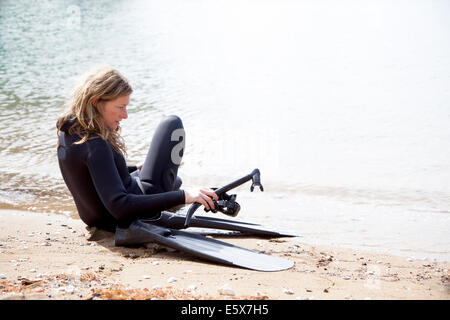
(91, 152)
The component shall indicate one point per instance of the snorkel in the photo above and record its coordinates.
(227, 203)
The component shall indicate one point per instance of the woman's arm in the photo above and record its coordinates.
(109, 186)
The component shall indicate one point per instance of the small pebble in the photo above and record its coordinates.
(146, 277)
(69, 289)
(410, 259)
(33, 270)
(155, 263)
(2, 276)
(226, 290)
(346, 277)
(288, 291)
(156, 287)
(172, 279)
(192, 287)
(46, 244)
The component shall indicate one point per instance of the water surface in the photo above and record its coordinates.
(344, 106)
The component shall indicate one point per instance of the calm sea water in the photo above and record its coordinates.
(344, 106)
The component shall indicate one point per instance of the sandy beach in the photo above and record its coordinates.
(45, 256)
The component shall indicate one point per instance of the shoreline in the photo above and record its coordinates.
(45, 256)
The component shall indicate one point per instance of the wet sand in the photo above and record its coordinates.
(45, 256)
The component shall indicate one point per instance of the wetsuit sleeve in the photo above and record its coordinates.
(131, 169)
(123, 206)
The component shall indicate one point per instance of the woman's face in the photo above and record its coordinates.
(113, 111)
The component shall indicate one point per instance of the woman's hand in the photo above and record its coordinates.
(202, 196)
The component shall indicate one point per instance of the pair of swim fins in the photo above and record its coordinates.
(165, 230)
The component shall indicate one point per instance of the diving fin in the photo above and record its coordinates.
(176, 221)
(141, 232)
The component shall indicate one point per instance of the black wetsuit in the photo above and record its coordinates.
(106, 191)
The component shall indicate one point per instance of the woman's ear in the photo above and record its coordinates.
(94, 102)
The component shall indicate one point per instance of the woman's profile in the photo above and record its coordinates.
(91, 155)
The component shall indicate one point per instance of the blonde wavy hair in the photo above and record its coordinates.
(102, 84)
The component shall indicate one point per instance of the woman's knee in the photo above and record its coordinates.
(174, 121)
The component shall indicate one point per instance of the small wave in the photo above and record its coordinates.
(15, 198)
(35, 193)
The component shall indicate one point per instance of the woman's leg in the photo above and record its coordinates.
(160, 168)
